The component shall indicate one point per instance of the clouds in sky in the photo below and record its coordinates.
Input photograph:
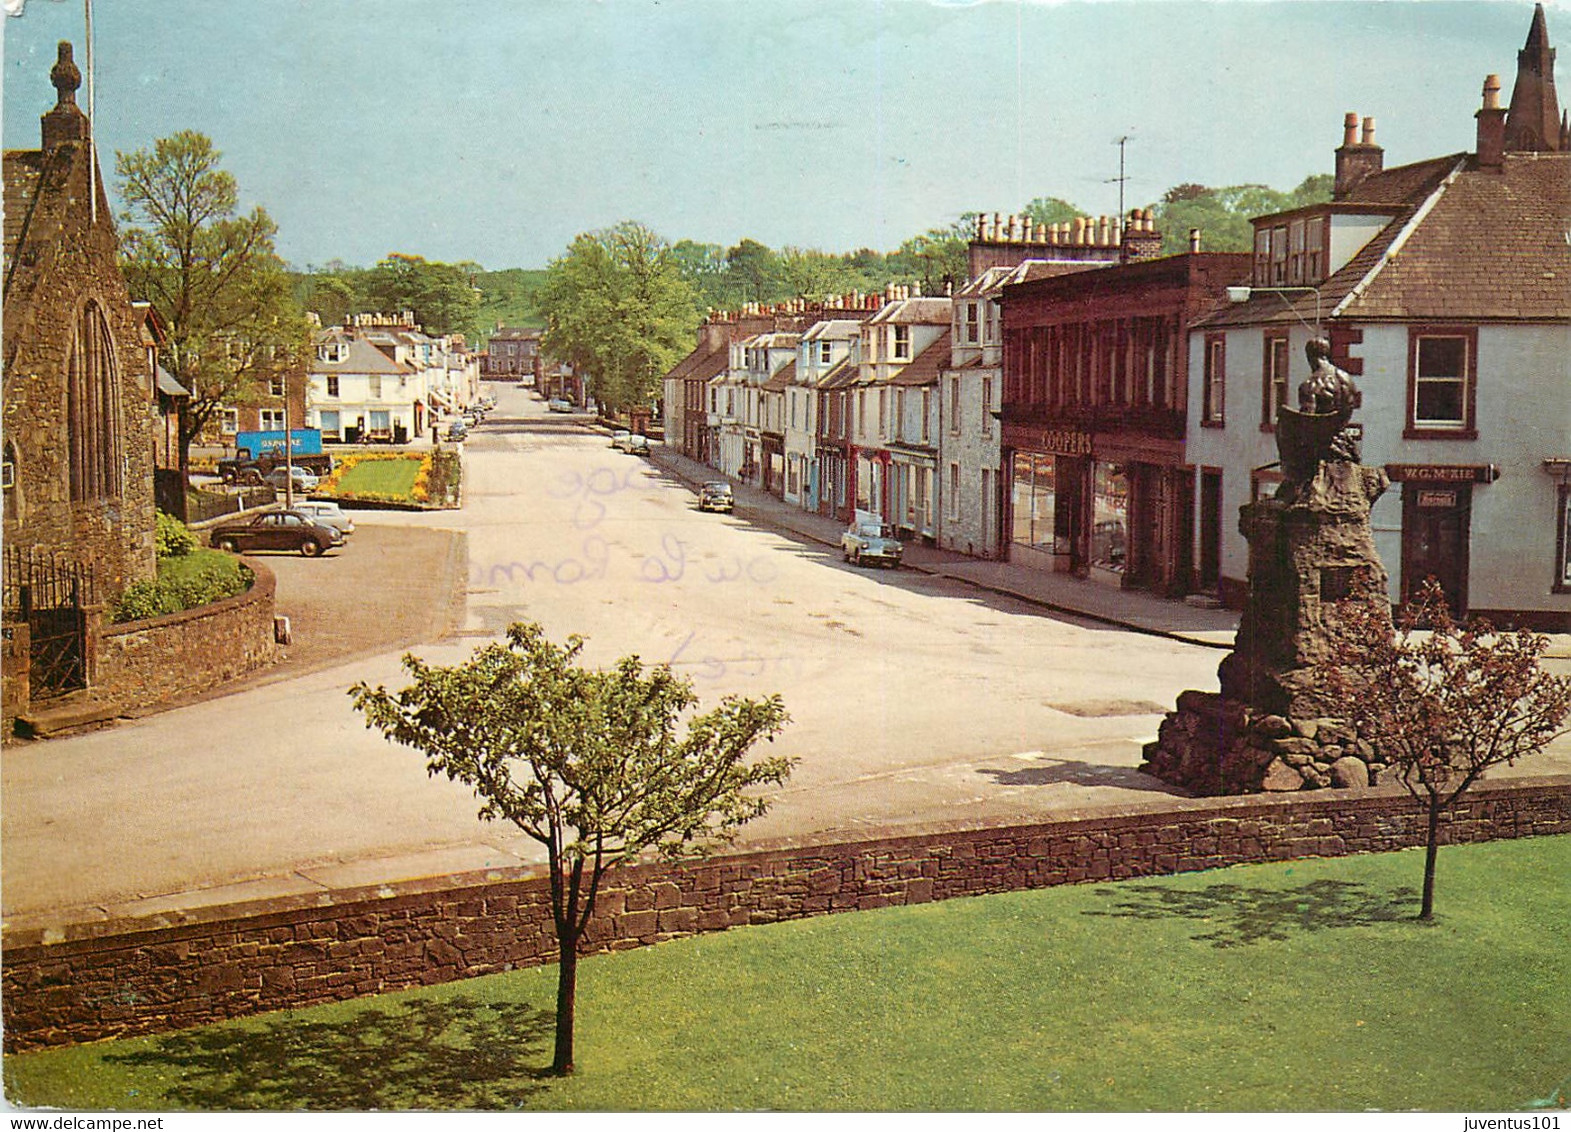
(494, 130)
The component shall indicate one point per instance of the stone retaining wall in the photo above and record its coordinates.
(179, 654)
(91, 981)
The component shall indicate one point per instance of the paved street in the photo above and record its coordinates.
(916, 698)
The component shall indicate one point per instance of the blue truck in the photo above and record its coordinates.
(257, 453)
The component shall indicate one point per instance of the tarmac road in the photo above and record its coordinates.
(916, 700)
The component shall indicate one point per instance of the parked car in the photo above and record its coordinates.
(716, 497)
(619, 438)
(559, 405)
(869, 539)
(279, 476)
(637, 445)
(327, 514)
(457, 430)
(274, 530)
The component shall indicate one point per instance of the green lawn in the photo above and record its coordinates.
(381, 478)
(1302, 986)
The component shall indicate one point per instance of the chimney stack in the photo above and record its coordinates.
(1356, 158)
(1491, 127)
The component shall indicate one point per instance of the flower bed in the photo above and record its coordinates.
(403, 479)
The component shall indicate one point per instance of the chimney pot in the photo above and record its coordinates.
(1369, 132)
(1194, 239)
(1492, 92)
(1350, 129)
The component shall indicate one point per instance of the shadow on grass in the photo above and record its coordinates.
(1236, 915)
(460, 1053)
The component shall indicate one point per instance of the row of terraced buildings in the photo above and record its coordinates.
(1085, 404)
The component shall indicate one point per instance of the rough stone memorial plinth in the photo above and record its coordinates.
(1272, 726)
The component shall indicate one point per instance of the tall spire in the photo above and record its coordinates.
(1533, 123)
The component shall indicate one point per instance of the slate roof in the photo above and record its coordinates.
(363, 358)
(923, 369)
(23, 170)
(842, 375)
(687, 365)
(1464, 243)
(924, 311)
(169, 386)
(784, 379)
(1493, 246)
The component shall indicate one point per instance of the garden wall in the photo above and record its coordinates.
(179, 654)
(89, 981)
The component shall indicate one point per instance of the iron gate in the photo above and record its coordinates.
(50, 593)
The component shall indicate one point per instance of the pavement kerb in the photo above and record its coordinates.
(768, 519)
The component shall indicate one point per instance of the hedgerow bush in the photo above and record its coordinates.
(186, 581)
(173, 538)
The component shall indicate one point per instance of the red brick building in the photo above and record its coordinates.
(1096, 380)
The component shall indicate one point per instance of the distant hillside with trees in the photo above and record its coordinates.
(469, 299)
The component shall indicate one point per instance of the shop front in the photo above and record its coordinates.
(1098, 507)
(1437, 521)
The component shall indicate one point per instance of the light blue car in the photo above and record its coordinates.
(868, 539)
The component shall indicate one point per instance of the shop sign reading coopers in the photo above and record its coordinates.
(1059, 441)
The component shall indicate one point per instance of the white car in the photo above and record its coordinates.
(620, 438)
(325, 513)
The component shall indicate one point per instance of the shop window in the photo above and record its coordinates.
(1563, 540)
(1033, 497)
(1442, 370)
(1274, 380)
(1214, 391)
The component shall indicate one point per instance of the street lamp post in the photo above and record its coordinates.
(1244, 294)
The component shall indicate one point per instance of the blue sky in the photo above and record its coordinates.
(496, 130)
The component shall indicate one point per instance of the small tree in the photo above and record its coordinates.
(1442, 702)
(211, 274)
(587, 762)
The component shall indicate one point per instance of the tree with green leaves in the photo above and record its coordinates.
(1050, 210)
(1441, 702)
(754, 268)
(1223, 215)
(211, 274)
(939, 257)
(587, 762)
(442, 296)
(618, 309)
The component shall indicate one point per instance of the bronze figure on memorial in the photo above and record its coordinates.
(1319, 429)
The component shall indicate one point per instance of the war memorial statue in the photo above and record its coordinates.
(1310, 546)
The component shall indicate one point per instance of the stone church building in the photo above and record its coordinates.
(80, 404)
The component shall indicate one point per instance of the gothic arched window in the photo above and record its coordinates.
(93, 409)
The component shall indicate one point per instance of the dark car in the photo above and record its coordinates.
(275, 530)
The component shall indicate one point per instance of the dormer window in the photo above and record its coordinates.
(900, 348)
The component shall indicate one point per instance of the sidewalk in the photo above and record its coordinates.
(1092, 600)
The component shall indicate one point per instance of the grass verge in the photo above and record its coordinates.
(1303, 986)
